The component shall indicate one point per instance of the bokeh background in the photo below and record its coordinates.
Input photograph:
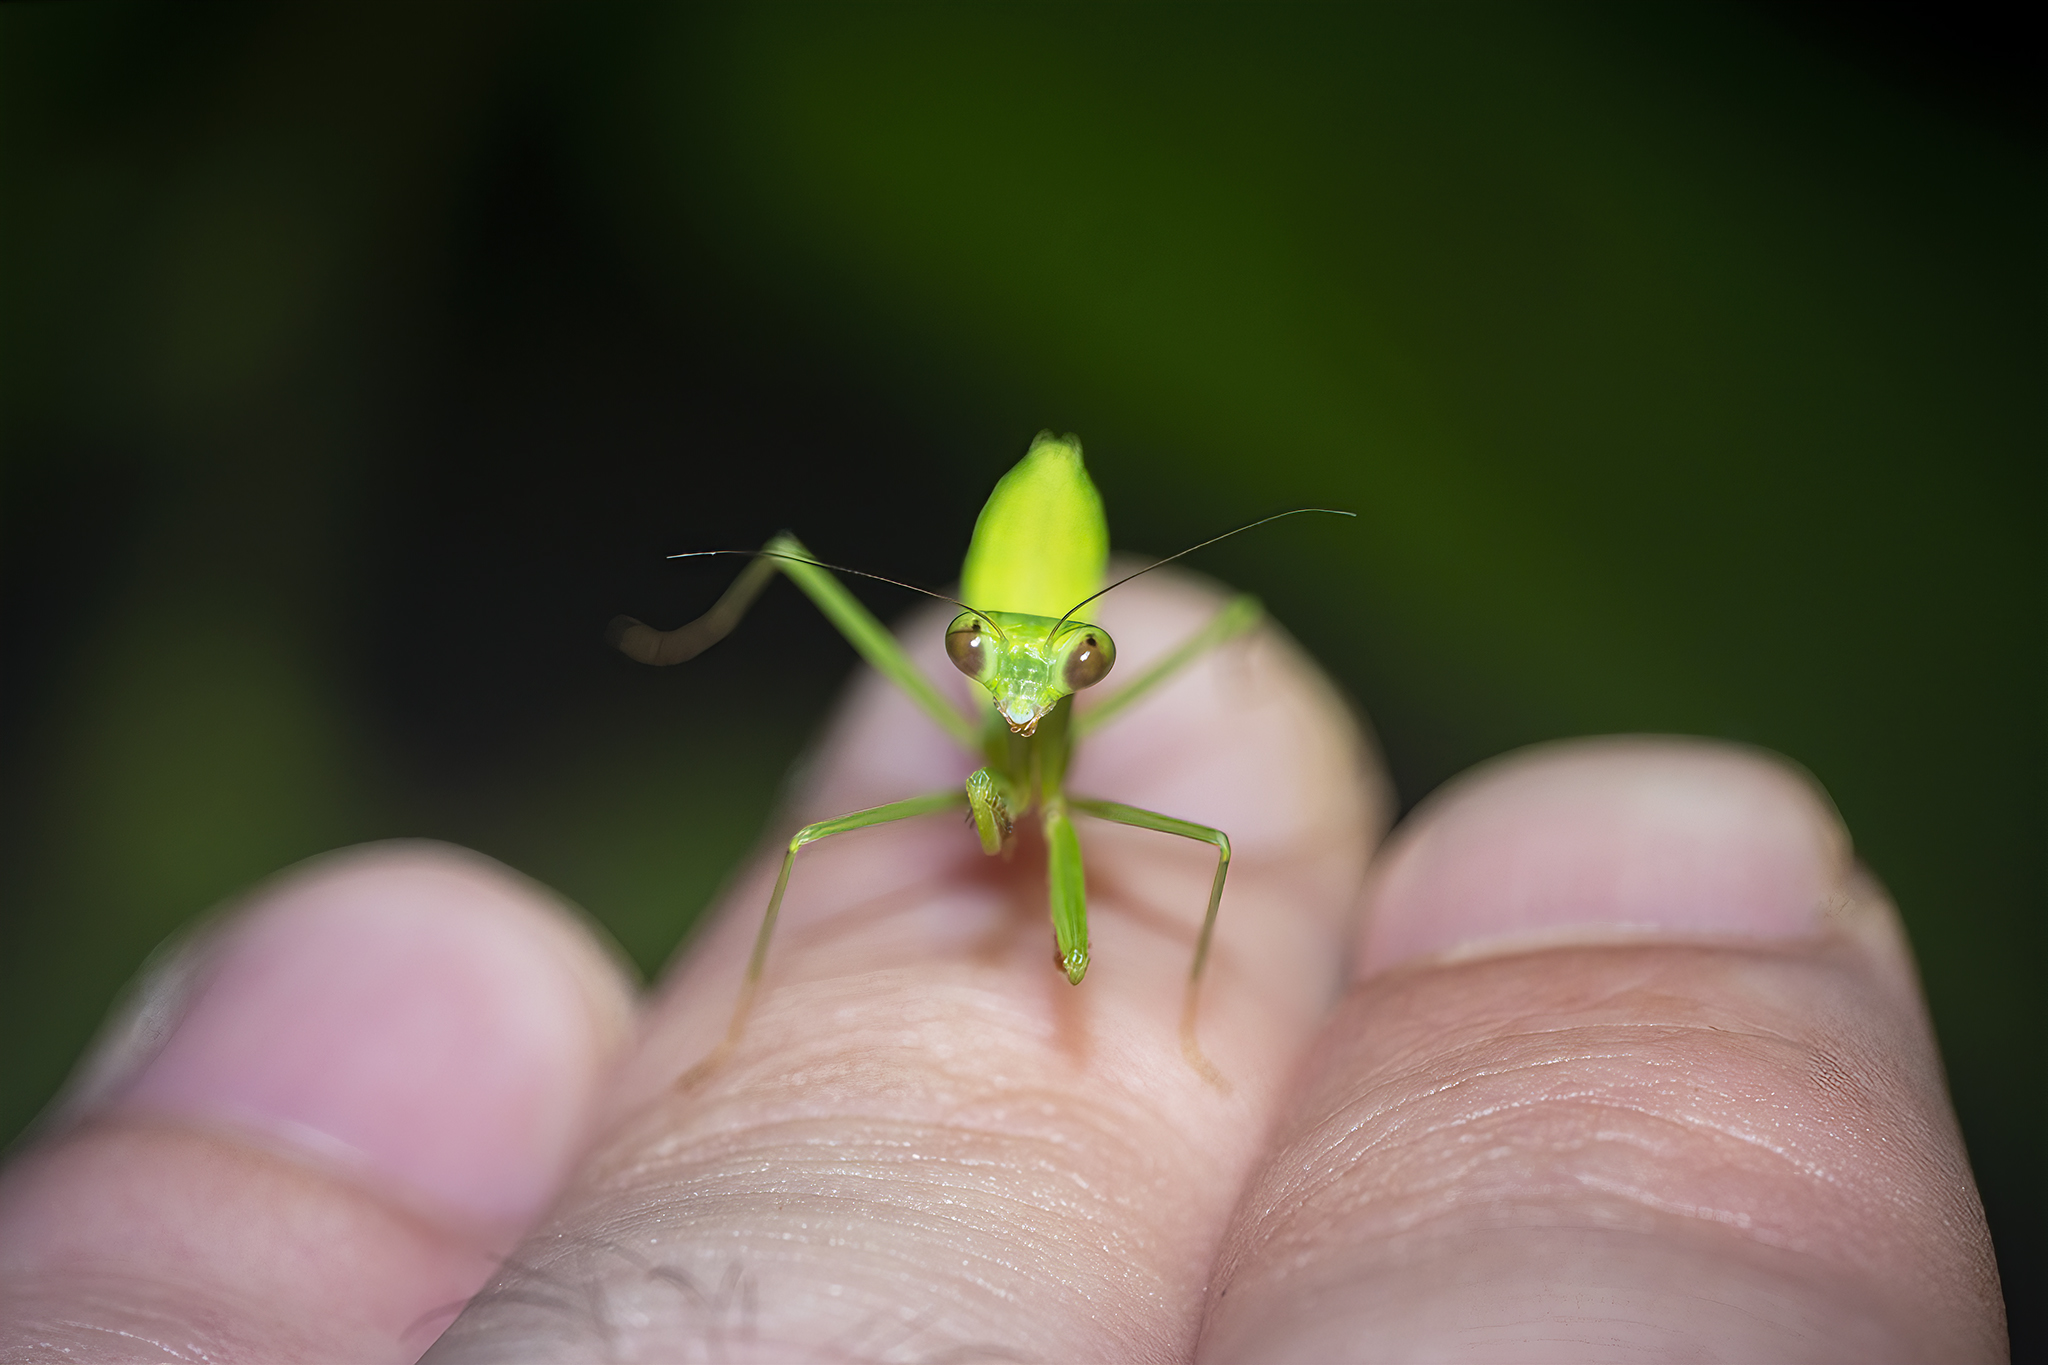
(1685, 363)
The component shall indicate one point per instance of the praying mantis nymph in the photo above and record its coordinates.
(1037, 558)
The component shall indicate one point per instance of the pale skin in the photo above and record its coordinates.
(930, 1147)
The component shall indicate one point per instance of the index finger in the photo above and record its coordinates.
(928, 1142)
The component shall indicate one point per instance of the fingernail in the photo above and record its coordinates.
(414, 1013)
(1592, 840)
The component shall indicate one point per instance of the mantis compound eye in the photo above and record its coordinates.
(969, 647)
(1090, 654)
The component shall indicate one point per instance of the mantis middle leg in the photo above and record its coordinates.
(809, 834)
(1186, 829)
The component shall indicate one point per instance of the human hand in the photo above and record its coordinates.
(1632, 1066)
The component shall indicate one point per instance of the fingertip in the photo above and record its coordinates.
(1594, 839)
(1710, 1110)
(412, 1012)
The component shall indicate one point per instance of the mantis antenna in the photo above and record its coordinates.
(1250, 525)
(863, 573)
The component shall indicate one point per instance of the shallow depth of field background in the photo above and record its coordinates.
(1685, 363)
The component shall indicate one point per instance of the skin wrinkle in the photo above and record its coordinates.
(249, 1320)
(89, 1330)
(782, 1156)
(1494, 1029)
(950, 1212)
(1822, 1167)
(1047, 1219)
(953, 1092)
(1704, 1212)
(1356, 1125)
(1530, 1067)
(1597, 1098)
(94, 1329)
(1465, 1075)
(685, 1143)
(1387, 1149)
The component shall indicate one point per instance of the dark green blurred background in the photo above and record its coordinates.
(1685, 363)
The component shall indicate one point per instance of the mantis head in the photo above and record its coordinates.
(1041, 544)
(1028, 663)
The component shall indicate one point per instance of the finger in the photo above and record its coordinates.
(928, 1142)
(1638, 1068)
(321, 1126)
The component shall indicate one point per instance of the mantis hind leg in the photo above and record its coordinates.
(1190, 1001)
(824, 829)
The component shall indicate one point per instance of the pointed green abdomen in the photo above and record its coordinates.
(1041, 541)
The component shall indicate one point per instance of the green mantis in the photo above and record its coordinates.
(1037, 559)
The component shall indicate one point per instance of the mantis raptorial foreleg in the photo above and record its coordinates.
(990, 806)
(809, 834)
(1186, 829)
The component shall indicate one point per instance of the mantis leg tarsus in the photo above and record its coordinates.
(1190, 1048)
(758, 961)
